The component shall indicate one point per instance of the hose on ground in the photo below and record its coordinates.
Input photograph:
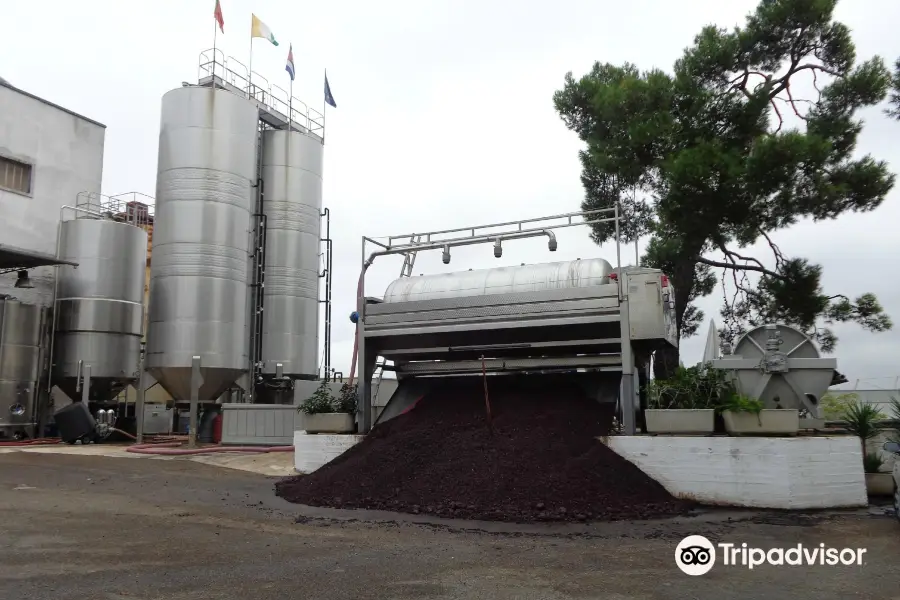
(175, 449)
(34, 442)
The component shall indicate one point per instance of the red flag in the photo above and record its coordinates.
(218, 16)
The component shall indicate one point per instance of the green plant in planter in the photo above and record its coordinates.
(737, 402)
(699, 387)
(872, 462)
(322, 401)
(861, 420)
(347, 399)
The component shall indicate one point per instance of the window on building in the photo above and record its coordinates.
(15, 175)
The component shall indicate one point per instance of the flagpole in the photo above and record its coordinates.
(250, 74)
(290, 106)
(324, 104)
(215, 34)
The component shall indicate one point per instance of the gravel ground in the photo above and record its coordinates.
(126, 529)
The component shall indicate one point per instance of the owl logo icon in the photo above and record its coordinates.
(695, 555)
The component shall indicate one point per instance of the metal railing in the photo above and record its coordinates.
(231, 71)
(133, 208)
(496, 233)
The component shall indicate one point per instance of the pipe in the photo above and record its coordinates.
(483, 239)
(174, 449)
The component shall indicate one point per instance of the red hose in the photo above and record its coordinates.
(35, 442)
(174, 449)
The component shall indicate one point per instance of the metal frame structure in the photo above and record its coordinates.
(327, 274)
(278, 108)
(559, 330)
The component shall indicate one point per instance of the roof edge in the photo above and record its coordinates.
(48, 103)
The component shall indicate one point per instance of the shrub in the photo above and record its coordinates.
(872, 462)
(691, 387)
(320, 402)
(347, 399)
(741, 403)
(834, 406)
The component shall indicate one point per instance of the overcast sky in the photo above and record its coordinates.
(445, 118)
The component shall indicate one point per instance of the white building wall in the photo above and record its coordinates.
(66, 154)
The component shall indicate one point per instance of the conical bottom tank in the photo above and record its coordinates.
(199, 273)
(102, 391)
(177, 381)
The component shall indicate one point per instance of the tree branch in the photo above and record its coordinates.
(779, 257)
(792, 102)
(777, 112)
(815, 67)
(737, 267)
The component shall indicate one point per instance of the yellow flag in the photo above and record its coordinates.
(261, 30)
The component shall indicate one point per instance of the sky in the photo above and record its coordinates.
(444, 118)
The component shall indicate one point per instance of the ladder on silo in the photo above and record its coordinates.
(409, 261)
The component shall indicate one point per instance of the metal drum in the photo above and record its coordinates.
(501, 280)
(292, 176)
(100, 307)
(201, 240)
(24, 333)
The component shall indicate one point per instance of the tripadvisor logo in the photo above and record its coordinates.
(696, 555)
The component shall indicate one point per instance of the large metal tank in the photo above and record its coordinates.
(292, 179)
(24, 336)
(501, 280)
(201, 239)
(100, 306)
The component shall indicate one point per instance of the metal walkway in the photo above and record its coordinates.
(277, 108)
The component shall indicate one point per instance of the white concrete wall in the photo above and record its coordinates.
(314, 451)
(785, 473)
(66, 152)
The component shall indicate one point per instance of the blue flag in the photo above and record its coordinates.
(329, 99)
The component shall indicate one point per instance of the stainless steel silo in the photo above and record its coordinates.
(201, 240)
(292, 203)
(100, 307)
(24, 337)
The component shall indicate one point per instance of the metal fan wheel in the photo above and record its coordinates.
(787, 372)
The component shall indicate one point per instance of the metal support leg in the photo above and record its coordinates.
(626, 398)
(196, 382)
(364, 389)
(139, 408)
(86, 386)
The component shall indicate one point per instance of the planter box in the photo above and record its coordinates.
(680, 420)
(879, 484)
(770, 421)
(328, 423)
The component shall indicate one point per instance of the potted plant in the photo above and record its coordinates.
(323, 414)
(685, 403)
(861, 420)
(743, 415)
(877, 482)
